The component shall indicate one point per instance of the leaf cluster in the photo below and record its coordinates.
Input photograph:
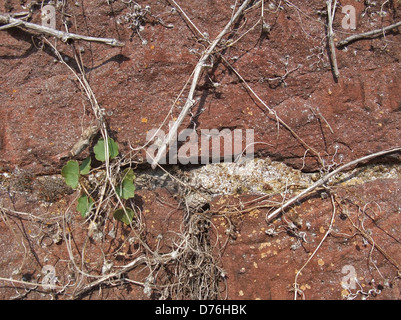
(73, 172)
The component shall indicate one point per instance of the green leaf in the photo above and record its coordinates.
(85, 166)
(70, 172)
(126, 190)
(85, 205)
(129, 174)
(126, 218)
(100, 152)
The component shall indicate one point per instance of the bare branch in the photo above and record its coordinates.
(331, 9)
(326, 178)
(197, 72)
(10, 22)
(98, 282)
(367, 35)
(186, 17)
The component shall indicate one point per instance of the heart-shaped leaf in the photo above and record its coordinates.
(126, 190)
(70, 172)
(85, 166)
(85, 205)
(124, 216)
(100, 150)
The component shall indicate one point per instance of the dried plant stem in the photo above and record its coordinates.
(186, 17)
(10, 22)
(27, 283)
(138, 261)
(374, 245)
(331, 9)
(326, 178)
(367, 35)
(197, 72)
(317, 248)
(273, 112)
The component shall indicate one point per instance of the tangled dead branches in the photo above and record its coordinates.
(137, 17)
(197, 271)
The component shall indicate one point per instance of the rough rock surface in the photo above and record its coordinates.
(44, 110)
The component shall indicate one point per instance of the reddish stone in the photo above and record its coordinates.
(44, 111)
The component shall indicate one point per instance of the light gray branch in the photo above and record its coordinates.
(367, 35)
(325, 179)
(197, 72)
(331, 9)
(10, 22)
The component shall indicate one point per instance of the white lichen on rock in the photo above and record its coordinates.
(258, 176)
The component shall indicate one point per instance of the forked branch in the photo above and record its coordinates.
(10, 22)
(197, 72)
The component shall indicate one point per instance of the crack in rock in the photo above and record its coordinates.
(252, 176)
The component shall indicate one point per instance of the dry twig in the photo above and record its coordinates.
(197, 72)
(331, 10)
(367, 35)
(369, 238)
(326, 178)
(10, 22)
(317, 248)
(273, 112)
